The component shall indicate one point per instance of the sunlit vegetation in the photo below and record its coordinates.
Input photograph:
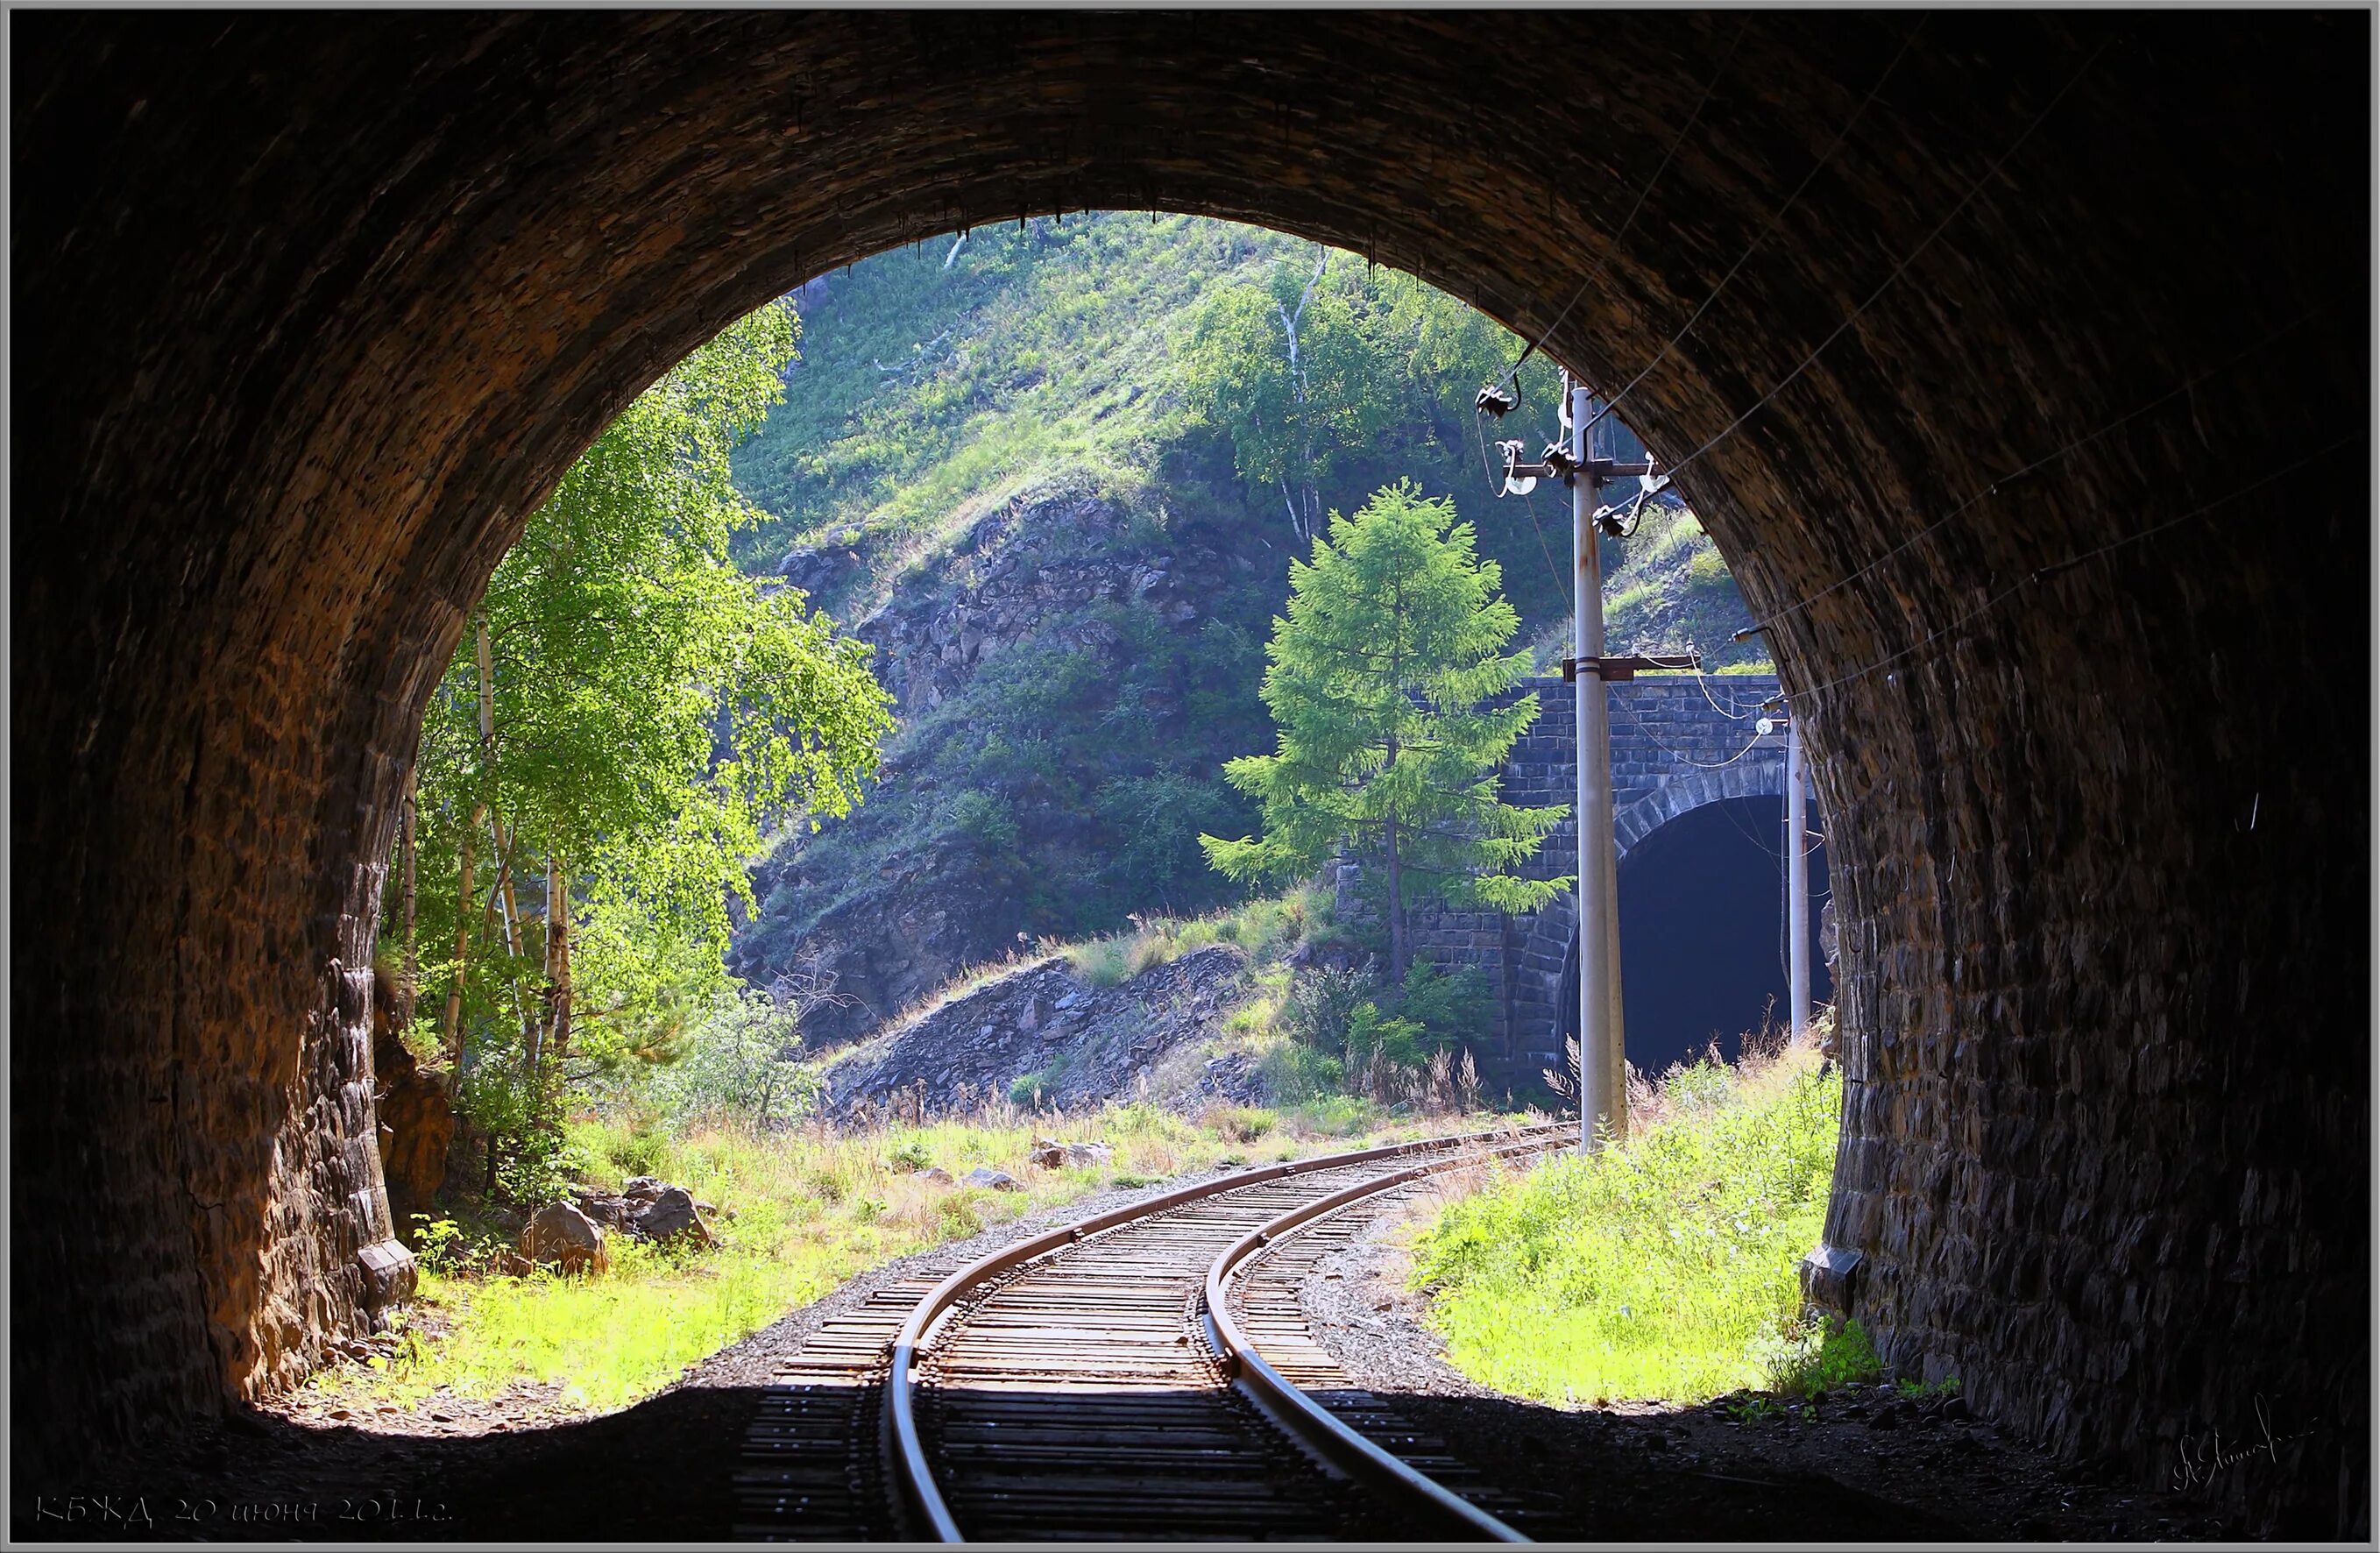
(1662, 1268)
(636, 710)
(1381, 681)
(627, 715)
(812, 1207)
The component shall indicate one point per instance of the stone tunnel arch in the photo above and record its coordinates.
(310, 311)
(1744, 779)
(1697, 950)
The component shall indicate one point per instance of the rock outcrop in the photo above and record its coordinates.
(1050, 1153)
(1062, 569)
(649, 1209)
(1040, 1035)
(417, 1121)
(560, 1236)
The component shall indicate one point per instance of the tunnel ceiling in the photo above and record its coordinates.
(2052, 330)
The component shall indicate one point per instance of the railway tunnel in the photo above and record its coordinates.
(2025, 394)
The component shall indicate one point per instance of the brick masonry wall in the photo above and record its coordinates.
(319, 306)
(1677, 743)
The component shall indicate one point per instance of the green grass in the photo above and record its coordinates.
(1662, 1268)
(1264, 930)
(813, 1209)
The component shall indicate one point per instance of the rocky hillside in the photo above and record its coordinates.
(997, 463)
(1070, 681)
(1041, 1035)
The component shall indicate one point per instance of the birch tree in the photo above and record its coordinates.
(627, 717)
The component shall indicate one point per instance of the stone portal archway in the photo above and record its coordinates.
(311, 310)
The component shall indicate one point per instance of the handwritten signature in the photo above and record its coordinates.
(2202, 1457)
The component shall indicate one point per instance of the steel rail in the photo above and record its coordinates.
(904, 1452)
(1308, 1420)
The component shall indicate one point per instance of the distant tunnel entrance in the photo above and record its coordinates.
(1702, 933)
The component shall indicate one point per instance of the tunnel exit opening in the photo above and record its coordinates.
(1702, 931)
(236, 642)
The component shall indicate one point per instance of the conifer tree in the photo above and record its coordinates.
(1378, 681)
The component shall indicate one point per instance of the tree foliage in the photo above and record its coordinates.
(1378, 682)
(627, 715)
(1313, 368)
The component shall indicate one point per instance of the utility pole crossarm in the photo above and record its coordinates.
(1625, 668)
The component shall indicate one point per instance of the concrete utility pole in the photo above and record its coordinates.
(1797, 884)
(1602, 1061)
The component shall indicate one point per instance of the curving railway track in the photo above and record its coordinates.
(1144, 1372)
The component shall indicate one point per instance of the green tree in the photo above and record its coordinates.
(1377, 682)
(629, 714)
(1289, 370)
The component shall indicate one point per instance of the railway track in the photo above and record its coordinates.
(1142, 1373)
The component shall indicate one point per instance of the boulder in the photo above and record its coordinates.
(936, 1174)
(1050, 1153)
(670, 1215)
(560, 1236)
(608, 1210)
(998, 1180)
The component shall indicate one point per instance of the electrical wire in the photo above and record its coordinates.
(1730, 716)
(2041, 573)
(1513, 371)
(1679, 755)
(1773, 851)
(1901, 268)
(2074, 445)
(1779, 216)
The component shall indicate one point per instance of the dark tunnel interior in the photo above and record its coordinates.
(1702, 932)
(313, 310)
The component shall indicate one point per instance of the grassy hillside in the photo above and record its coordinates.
(1061, 400)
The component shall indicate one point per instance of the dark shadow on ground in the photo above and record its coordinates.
(665, 1470)
(659, 1471)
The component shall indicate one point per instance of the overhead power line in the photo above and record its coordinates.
(2042, 574)
(1901, 268)
(1776, 216)
(1642, 195)
(2066, 449)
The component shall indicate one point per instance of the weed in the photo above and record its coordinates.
(1820, 1356)
(1240, 1123)
(1660, 1268)
(1753, 1408)
(437, 1242)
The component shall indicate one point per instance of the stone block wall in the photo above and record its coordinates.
(2064, 544)
(1677, 743)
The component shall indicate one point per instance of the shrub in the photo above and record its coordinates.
(1241, 1123)
(1374, 1037)
(1102, 962)
(1299, 1074)
(985, 818)
(1320, 1005)
(1453, 1007)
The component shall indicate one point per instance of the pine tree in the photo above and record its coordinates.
(1378, 680)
